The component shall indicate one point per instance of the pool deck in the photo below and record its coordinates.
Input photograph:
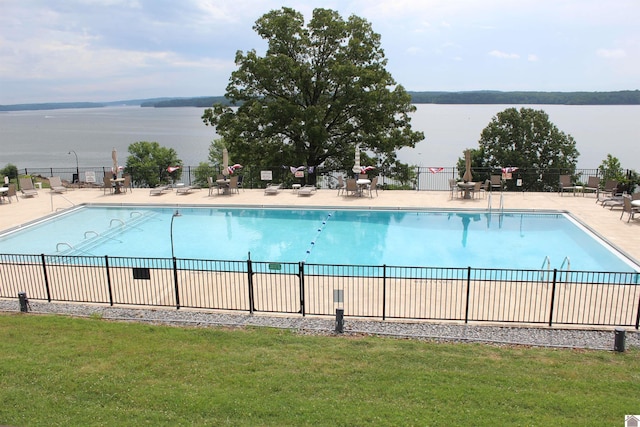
(622, 234)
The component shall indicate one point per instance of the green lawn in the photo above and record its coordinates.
(56, 370)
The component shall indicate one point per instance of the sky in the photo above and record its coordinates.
(111, 50)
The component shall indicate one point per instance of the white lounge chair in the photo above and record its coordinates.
(307, 190)
(184, 189)
(273, 189)
(27, 188)
(55, 183)
(160, 190)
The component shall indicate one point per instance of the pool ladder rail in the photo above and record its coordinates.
(489, 204)
(547, 270)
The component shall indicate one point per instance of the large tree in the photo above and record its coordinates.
(148, 164)
(526, 139)
(318, 91)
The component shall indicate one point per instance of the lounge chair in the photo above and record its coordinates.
(307, 190)
(184, 189)
(55, 183)
(159, 190)
(273, 189)
(566, 185)
(26, 187)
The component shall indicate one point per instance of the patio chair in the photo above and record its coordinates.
(233, 185)
(341, 185)
(593, 185)
(351, 187)
(273, 188)
(107, 184)
(566, 185)
(211, 184)
(478, 190)
(55, 183)
(496, 182)
(127, 185)
(307, 190)
(453, 187)
(628, 208)
(26, 187)
(608, 192)
(373, 187)
(11, 192)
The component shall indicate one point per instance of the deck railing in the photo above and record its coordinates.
(383, 292)
(425, 178)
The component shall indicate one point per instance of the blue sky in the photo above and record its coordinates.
(109, 50)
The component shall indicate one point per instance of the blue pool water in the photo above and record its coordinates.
(514, 240)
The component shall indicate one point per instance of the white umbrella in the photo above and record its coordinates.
(225, 162)
(356, 165)
(114, 157)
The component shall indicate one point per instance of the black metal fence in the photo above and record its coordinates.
(549, 297)
(426, 178)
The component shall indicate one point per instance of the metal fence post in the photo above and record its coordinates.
(175, 282)
(46, 276)
(384, 291)
(250, 285)
(106, 266)
(553, 296)
(619, 339)
(301, 281)
(339, 320)
(24, 302)
(466, 309)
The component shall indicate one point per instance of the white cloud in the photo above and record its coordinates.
(532, 57)
(611, 53)
(504, 55)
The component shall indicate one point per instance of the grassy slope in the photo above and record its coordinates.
(63, 371)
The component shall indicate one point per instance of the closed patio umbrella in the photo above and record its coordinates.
(467, 173)
(225, 162)
(114, 157)
(356, 165)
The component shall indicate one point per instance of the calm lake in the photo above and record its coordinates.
(38, 139)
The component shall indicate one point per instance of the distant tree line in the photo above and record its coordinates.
(625, 97)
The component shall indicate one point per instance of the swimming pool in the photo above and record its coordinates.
(510, 240)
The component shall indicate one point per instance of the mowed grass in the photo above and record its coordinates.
(56, 370)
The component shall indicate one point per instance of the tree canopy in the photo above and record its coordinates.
(526, 139)
(148, 164)
(319, 90)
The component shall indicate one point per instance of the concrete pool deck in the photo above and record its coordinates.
(622, 234)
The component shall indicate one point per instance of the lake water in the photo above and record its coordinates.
(40, 139)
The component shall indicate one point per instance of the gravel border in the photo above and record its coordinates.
(594, 339)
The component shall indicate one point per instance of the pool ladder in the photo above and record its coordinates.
(489, 204)
(547, 261)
